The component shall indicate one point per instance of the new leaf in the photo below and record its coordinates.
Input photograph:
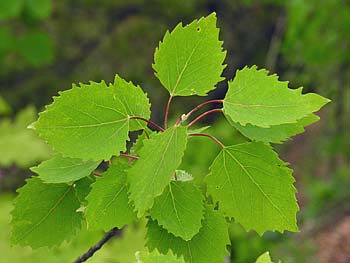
(44, 214)
(258, 99)
(158, 159)
(254, 187)
(108, 202)
(62, 169)
(180, 209)
(208, 246)
(189, 60)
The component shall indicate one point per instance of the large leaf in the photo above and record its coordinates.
(156, 257)
(258, 99)
(88, 122)
(62, 169)
(254, 187)
(180, 209)
(189, 60)
(158, 159)
(276, 133)
(208, 246)
(135, 101)
(108, 202)
(44, 214)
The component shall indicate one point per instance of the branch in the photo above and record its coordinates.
(203, 115)
(209, 136)
(167, 111)
(155, 125)
(129, 156)
(111, 233)
(186, 116)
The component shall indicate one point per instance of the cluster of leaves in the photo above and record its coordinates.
(34, 46)
(90, 123)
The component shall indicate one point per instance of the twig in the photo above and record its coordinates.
(155, 125)
(203, 115)
(186, 116)
(111, 233)
(129, 156)
(209, 136)
(167, 111)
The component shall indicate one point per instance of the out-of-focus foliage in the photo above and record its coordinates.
(19, 145)
(120, 250)
(25, 42)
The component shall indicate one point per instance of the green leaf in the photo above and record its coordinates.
(158, 159)
(135, 101)
(183, 176)
(276, 133)
(253, 186)
(10, 9)
(44, 214)
(264, 258)
(179, 209)
(258, 99)
(4, 107)
(190, 59)
(18, 145)
(156, 257)
(37, 48)
(39, 8)
(88, 122)
(108, 202)
(62, 169)
(83, 188)
(208, 246)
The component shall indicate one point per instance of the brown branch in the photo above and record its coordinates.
(167, 111)
(155, 125)
(209, 136)
(111, 233)
(203, 115)
(129, 156)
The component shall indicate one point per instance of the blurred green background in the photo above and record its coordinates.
(46, 45)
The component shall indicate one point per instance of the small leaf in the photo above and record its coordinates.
(276, 133)
(258, 99)
(158, 159)
(208, 246)
(108, 202)
(62, 169)
(254, 187)
(135, 101)
(190, 59)
(264, 258)
(183, 176)
(156, 257)
(44, 214)
(87, 122)
(179, 209)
